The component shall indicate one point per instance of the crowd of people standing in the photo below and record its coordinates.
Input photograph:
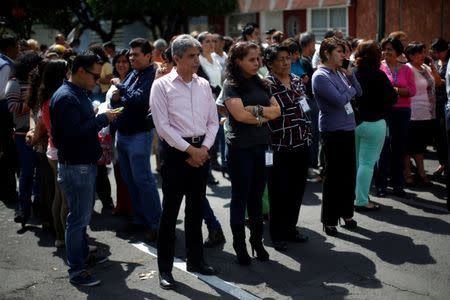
(271, 116)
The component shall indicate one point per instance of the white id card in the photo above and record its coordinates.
(269, 158)
(348, 108)
(304, 104)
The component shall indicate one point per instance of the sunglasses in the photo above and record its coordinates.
(96, 76)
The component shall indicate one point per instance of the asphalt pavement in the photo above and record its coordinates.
(399, 252)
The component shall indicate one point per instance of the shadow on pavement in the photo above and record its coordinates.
(320, 272)
(401, 218)
(392, 248)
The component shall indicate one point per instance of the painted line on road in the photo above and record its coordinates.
(214, 281)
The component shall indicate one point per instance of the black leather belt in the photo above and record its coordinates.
(195, 140)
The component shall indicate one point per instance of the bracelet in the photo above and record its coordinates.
(259, 119)
(260, 110)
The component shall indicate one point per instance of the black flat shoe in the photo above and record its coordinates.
(359, 208)
(202, 268)
(349, 224)
(166, 281)
(330, 230)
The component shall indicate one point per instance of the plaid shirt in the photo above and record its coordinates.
(293, 128)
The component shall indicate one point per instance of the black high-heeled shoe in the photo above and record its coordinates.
(261, 253)
(330, 230)
(349, 224)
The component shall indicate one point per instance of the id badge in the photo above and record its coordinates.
(269, 158)
(348, 108)
(304, 105)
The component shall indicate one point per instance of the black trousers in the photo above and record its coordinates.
(286, 184)
(180, 179)
(340, 176)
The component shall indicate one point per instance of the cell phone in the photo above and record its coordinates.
(345, 63)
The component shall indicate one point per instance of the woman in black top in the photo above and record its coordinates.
(291, 140)
(250, 106)
(372, 110)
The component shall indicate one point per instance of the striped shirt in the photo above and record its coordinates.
(16, 94)
(293, 128)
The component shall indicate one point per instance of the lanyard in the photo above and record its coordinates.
(393, 75)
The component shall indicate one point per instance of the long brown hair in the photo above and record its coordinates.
(233, 72)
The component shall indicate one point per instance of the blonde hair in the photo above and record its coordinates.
(33, 44)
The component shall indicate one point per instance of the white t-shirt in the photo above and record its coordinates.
(213, 70)
(421, 107)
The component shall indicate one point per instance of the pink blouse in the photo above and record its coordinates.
(402, 78)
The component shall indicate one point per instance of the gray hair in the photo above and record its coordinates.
(160, 44)
(182, 43)
(306, 38)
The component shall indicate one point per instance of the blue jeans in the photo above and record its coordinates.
(248, 174)
(134, 159)
(27, 161)
(369, 138)
(208, 215)
(78, 184)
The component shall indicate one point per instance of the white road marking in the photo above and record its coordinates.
(214, 281)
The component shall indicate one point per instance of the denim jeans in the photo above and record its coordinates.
(27, 162)
(78, 184)
(134, 159)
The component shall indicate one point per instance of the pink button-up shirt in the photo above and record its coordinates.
(183, 110)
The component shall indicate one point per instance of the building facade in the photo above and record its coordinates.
(421, 20)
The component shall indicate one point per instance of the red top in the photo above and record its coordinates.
(46, 119)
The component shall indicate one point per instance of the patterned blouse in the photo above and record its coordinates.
(293, 128)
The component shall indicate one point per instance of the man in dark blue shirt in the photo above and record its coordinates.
(135, 136)
(75, 134)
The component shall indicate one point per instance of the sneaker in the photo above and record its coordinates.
(60, 244)
(215, 237)
(85, 279)
(96, 259)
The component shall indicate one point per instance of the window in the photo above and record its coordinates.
(321, 20)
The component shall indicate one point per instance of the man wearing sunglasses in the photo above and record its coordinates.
(75, 134)
(135, 135)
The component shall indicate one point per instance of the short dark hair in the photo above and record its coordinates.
(271, 53)
(306, 38)
(413, 48)
(109, 44)
(145, 45)
(292, 45)
(99, 50)
(202, 36)
(249, 28)
(439, 45)
(328, 45)
(6, 41)
(368, 54)
(395, 43)
(86, 59)
(125, 53)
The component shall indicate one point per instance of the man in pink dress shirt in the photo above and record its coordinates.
(185, 116)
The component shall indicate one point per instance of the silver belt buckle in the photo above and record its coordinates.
(195, 139)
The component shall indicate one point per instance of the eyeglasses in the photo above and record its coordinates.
(96, 76)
